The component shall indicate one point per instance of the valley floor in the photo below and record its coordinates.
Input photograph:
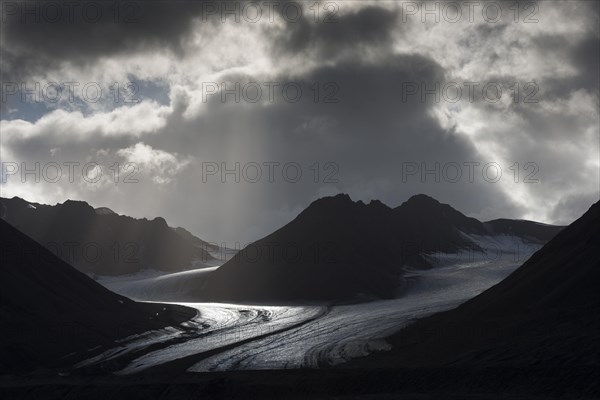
(235, 351)
(226, 337)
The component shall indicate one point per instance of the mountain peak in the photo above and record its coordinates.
(344, 204)
(76, 209)
(341, 197)
(423, 209)
(80, 204)
(337, 200)
(422, 199)
(104, 211)
(377, 204)
(160, 221)
(421, 203)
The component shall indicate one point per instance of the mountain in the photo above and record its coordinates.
(102, 242)
(533, 231)
(564, 273)
(104, 211)
(53, 315)
(338, 249)
(441, 227)
(545, 314)
(187, 235)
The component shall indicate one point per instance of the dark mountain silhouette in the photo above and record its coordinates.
(52, 314)
(426, 212)
(545, 314)
(427, 220)
(533, 231)
(187, 235)
(104, 211)
(338, 249)
(102, 242)
(564, 273)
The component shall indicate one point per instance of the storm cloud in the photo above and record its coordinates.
(240, 121)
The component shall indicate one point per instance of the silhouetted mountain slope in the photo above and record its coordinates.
(187, 235)
(104, 211)
(52, 314)
(103, 242)
(564, 273)
(533, 231)
(336, 248)
(546, 313)
(339, 249)
(434, 226)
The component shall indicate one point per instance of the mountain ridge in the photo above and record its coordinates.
(105, 243)
(363, 250)
(544, 313)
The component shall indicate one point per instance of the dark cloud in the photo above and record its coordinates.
(583, 56)
(39, 36)
(570, 206)
(370, 26)
(371, 132)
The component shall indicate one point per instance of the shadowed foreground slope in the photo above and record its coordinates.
(52, 314)
(545, 314)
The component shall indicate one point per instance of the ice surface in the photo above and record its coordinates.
(350, 331)
(224, 324)
(154, 285)
(265, 337)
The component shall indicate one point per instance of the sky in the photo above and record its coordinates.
(230, 118)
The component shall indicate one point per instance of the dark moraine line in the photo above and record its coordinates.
(118, 362)
(184, 363)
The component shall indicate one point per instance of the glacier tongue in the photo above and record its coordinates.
(265, 337)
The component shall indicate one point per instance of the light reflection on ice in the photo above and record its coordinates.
(229, 324)
(309, 336)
